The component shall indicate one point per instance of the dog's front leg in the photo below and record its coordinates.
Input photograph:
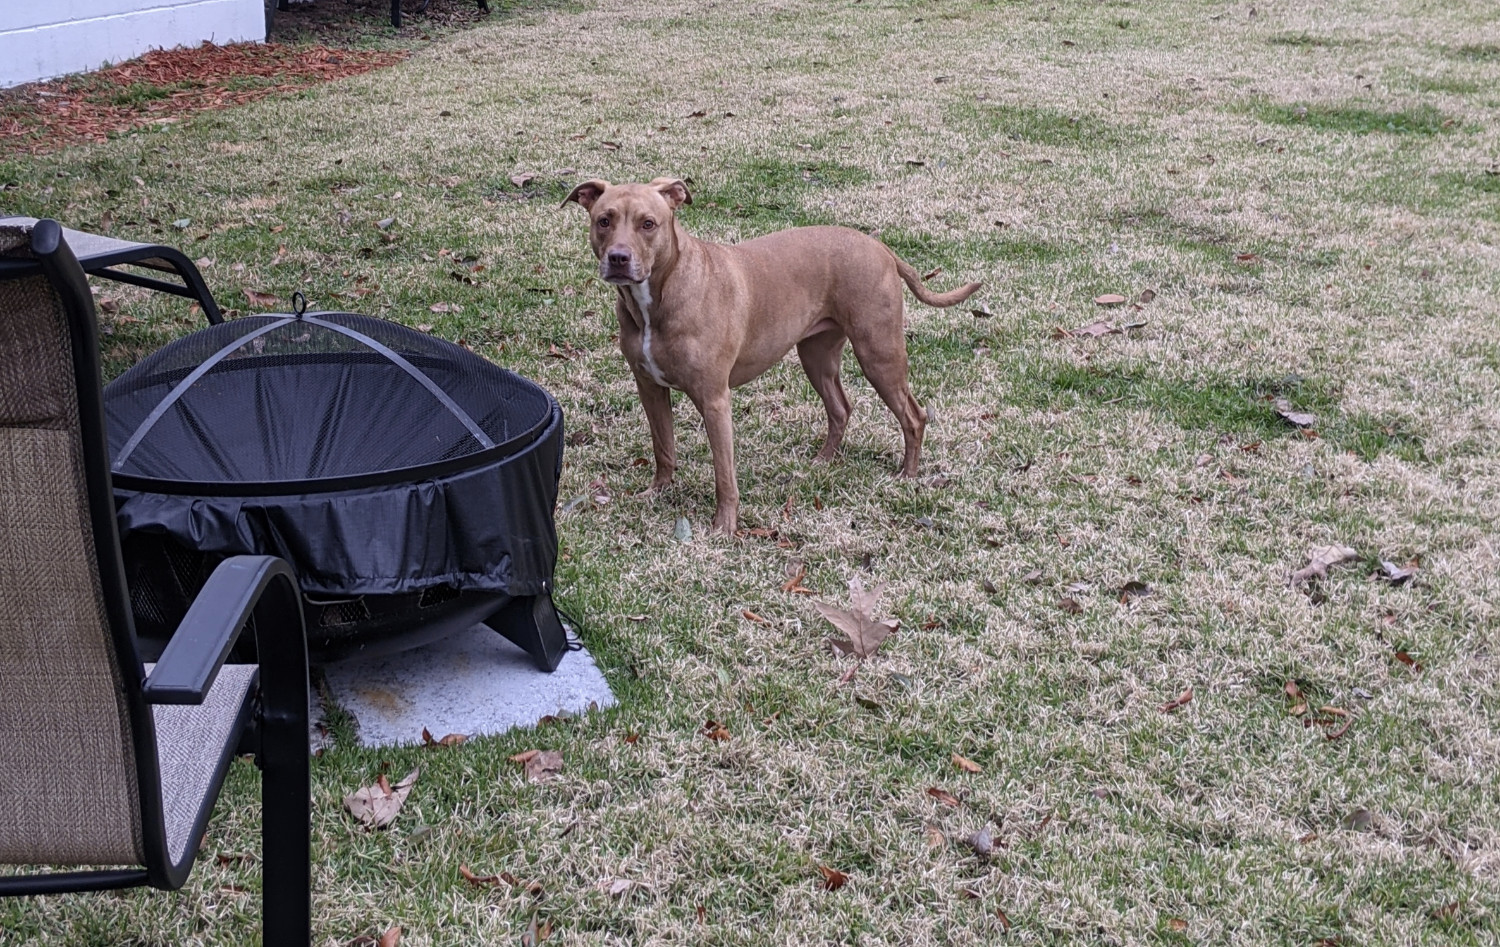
(719, 423)
(658, 404)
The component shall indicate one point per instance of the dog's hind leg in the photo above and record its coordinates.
(821, 356)
(882, 357)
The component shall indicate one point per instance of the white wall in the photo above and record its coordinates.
(43, 40)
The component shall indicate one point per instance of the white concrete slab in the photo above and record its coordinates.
(472, 683)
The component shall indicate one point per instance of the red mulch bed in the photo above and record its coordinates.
(163, 85)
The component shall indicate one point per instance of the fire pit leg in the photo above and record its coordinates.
(533, 626)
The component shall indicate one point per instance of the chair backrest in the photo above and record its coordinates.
(69, 792)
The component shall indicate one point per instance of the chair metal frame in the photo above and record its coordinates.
(273, 720)
(113, 253)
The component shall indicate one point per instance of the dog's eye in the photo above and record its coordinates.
(648, 224)
(602, 223)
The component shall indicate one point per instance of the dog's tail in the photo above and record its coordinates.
(913, 280)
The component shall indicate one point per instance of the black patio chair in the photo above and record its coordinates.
(106, 761)
(104, 256)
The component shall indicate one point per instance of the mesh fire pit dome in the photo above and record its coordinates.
(409, 482)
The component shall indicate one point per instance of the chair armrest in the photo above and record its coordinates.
(192, 659)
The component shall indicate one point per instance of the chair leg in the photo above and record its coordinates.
(286, 787)
(396, 13)
(286, 866)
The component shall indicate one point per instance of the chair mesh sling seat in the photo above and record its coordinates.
(106, 761)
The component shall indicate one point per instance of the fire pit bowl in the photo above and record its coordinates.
(409, 482)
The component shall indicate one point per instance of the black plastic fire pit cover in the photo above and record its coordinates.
(364, 452)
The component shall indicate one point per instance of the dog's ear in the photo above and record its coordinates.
(586, 193)
(673, 190)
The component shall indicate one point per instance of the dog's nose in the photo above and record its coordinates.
(618, 258)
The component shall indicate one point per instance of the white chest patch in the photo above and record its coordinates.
(642, 293)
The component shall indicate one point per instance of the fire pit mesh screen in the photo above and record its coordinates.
(409, 482)
(258, 404)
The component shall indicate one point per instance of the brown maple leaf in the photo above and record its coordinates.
(865, 633)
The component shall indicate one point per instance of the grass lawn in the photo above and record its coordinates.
(1311, 192)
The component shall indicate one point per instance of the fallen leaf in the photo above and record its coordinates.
(617, 887)
(715, 731)
(1109, 299)
(1180, 700)
(452, 739)
(478, 881)
(1070, 605)
(521, 180)
(981, 311)
(865, 633)
(539, 765)
(258, 298)
(795, 586)
(1446, 912)
(1095, 329)
(1408, 660)
(1319, 561)
(375, 806)
(1177, 924)
(935, 837)
(390, 938)
(1247, 259)
(944, 796)
(610, 145)
(386, 223)
(833, 879)
(752, 616)
(1003, 919)
(536, 932)
(1134, 589)
(1358, 820)
(1146, 296)
(966, 764)
(1394, 574)
(1295, 418)
(982, 842)
(444, 307)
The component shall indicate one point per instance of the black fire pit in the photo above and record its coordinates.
(409, 482)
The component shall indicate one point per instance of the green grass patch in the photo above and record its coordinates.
(772, 193)
(1037, 125)
(1419, 120)
(1310, 41)
(1246, 407)
(1476, 52)
(1449, 84)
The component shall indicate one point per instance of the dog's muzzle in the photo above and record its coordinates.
(618, 266)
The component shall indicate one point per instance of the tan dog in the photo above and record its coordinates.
(705, 317)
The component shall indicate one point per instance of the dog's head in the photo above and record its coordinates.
(631, 226)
